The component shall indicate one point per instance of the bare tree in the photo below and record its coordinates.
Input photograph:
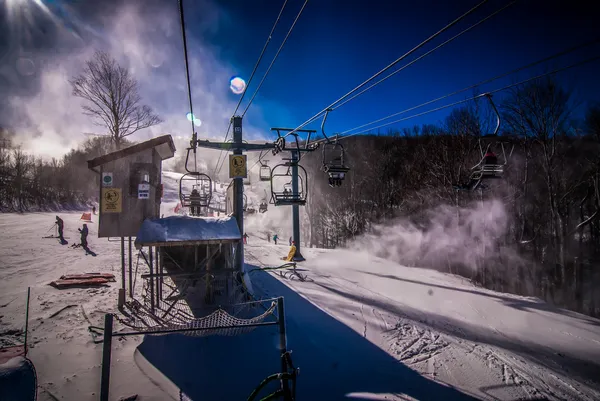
(113, 98)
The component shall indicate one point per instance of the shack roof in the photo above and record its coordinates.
(164, 147)
(184, 230)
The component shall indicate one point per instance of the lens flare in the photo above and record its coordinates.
(237, 85)
(191, 117)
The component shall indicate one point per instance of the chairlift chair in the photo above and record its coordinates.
(284, 196)
(488, 167)
(333, 158)
(264, 205)
(333, 163)
(265, 172)
(200, 195)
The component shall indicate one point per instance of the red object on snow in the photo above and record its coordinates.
(83, 280)
(107, 276)
(86, 217)
(60, 284)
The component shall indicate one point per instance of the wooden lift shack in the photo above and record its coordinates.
(130, 192)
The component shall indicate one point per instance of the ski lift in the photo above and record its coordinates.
(284, 196)
(488, 167)
(265, 172)
(332, 161)
(264, 205)
(200, 195)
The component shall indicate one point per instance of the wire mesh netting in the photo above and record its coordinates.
(155, 314)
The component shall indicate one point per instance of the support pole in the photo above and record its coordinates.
(282, 341)
(296, 208)
(238, 194)
(162, 271)
(26, 320)
(106, 352)
(158, 286)
(130, 271)
(121, 301)
(151, 281)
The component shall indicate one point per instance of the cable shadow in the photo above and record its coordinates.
(520, 304)
(577, 369)
(334, 360)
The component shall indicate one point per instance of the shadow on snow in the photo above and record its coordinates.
(334, 360)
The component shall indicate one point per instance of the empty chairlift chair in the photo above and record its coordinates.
(282, 193)
(265, 172)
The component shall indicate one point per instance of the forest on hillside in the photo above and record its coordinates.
(29, 183)
(544, 241)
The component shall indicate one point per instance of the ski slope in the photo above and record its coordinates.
(360, 327)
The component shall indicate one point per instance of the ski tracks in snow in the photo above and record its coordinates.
(487, 371)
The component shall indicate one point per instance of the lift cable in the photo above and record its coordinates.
(559, 54)
(448, 26)
(589, 60)
(275, 57)
(270, 66)
(426, 54)
(217, 167)
(187, 73)
(262, 53)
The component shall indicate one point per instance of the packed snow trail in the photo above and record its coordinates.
(418, 330)
(497, 346)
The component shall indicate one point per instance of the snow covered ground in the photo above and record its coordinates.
(360, 327)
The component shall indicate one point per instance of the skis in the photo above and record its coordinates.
(53, 236)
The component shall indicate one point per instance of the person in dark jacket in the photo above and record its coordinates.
(490, 158)
(60, 225)
(84, 234)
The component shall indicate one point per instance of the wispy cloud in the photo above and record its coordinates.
(146, 38)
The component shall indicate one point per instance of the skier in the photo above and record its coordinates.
(84, 234)
(195, 202)
(94, 209)
(291, 241)
(490, 158)
(60, 225)
(275, 238)
(269, 237)
(245, 238)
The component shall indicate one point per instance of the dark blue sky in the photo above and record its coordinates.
(338, 44)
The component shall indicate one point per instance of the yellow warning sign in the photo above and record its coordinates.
(112, 201)
(237, 166)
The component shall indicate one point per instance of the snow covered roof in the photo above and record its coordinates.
(184, 230)
(163, 144)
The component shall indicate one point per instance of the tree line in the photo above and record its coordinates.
(30, 183)
(549, 246)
